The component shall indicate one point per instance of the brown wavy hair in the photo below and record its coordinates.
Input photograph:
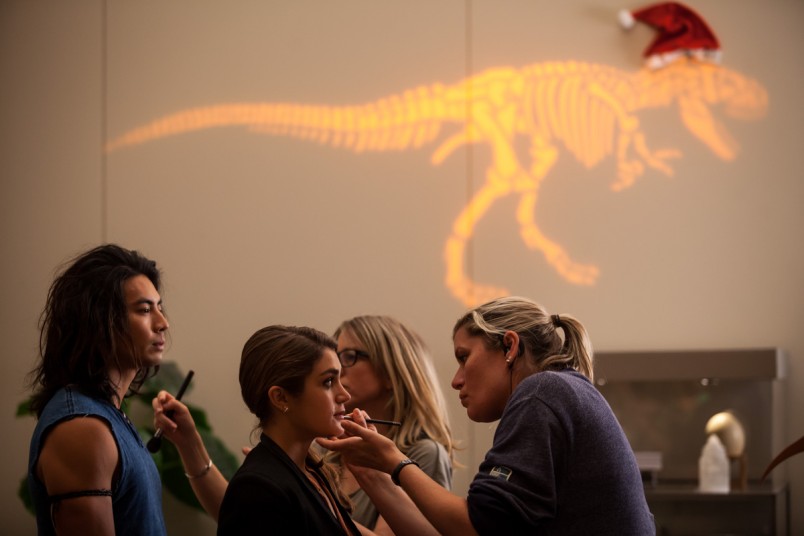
(284, 356)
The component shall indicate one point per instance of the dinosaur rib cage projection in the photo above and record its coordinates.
(586, 110)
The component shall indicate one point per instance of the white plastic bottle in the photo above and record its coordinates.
(713, 467)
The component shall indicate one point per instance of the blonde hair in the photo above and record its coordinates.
(400, 354)
(538, 333)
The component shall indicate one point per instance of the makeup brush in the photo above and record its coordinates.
(375, 421)
(155, 443)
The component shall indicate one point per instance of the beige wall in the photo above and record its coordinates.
(252, 229)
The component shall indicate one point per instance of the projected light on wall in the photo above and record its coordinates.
(581, 110)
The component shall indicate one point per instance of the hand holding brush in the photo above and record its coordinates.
(155, 443)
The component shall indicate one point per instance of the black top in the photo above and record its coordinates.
(270, 495)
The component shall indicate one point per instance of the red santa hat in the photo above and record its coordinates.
(682, 32)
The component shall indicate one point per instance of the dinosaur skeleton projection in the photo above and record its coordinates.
(588, 111)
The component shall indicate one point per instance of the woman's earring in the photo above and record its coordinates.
(285, 410)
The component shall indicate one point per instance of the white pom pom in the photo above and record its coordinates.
(626, 19)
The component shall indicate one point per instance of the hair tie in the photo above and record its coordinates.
(557, 321)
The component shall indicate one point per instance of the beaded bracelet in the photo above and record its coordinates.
(204, 471)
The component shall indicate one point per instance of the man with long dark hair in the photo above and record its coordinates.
(102, 334)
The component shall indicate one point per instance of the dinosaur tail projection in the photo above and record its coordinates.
(399, 122)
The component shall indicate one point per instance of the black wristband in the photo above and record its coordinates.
(398, 469)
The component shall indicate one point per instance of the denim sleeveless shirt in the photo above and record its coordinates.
(137, 494)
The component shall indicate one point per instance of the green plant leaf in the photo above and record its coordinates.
(25, 496)
(169, 378)
(200, 418)
(173, 477)
(172, 470)
(24, 409)
(224, 459)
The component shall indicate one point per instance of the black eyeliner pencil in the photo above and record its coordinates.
(155, 443)
(375, 421)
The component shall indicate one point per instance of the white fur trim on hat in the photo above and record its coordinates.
(626, 19)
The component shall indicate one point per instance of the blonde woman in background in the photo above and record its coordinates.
(388, 371)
